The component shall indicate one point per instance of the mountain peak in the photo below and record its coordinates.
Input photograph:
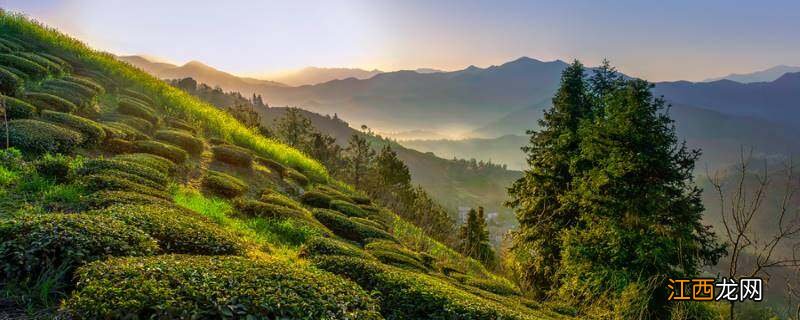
(196, 64)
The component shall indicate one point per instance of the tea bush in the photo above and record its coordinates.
(38, 137)
(134, 122)
(101, 166)
(136, 109)
(48, 101)
(215, 287)
(255, 208)
(320, 246)
(92, 132)
(349, 209)
(30, 68)
(29, 244)
(98, 89)
(232, 155)
(192, 145)
(158, 163)
(123, 131)
(9, 82)
(18, 109)
(103, 199)
(175, 154)
(51, 67)
(272, 165)
(348, 229)
(298, 177)
(224, 185)
(177, 230)
(138, 95)
(104, 182)
(316, 199)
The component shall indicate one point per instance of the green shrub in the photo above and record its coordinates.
(50, 102)
(4, 48)
(136, 109)
(232, 155)
(101, 166)
(121, 130)
(316, 199)
(82, 90)
(287, 232)
(398, 260)
(181, 125)
(255, 208)
(98, 89)
(32, 69)
(18, 109)
(272, 165)
(348, 229)
(7, 176)
(192, 145)
(9, 82)
(175, 154)
(103, 182)
(65, 94)
(134, 122)
(369, 222)
(413, 295)
(55, 167)
(29, 244)
(102, 199)
(298, 177)
(361, 200)
(217, 141)
(158, 163)
(117, 146)
(177, 230)
(50, 66)
(60, 62)
(92, 132)
(22, 75)
(138, 95)
(63, 198)
(40, 137)
(349, 209)
(333, 193)
(11, 44)
(224, 185)
(202, 287)
(320, 246)
(281, 200)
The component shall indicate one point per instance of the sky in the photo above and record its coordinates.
(655, 40)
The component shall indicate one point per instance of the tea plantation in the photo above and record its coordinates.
(124, 198)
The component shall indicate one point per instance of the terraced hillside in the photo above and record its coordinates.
(122, 197)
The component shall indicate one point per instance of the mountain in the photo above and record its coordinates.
(315, 75)
(200, 72)
(414, 135)
(767, 75)
(502, 150)
(777, 101)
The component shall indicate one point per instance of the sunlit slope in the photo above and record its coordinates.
(122, 197)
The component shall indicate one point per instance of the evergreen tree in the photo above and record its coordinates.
(294, 129)
(392, 172)
(474, 237)
(324, 148)
(537, 196)
(359, 157)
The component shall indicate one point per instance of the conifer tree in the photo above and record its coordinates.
(474, 237)
(359, 157)
(324, 148)
(294, 129)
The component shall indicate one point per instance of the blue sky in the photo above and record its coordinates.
(657, 40)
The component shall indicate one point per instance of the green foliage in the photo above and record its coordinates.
(411, 295)
(30, 68)
(50, 102)
(136, 109)
(272, 165)
(316, 199)
(31, 244)
(175, 154)
(123, 131)
(232, 155)
(92, 132)
(349, 209)
(177, 230)
(369, 222)
(320, 246)
(255, 208)
(474, 237)
(86, 93)
(109, 182)
(51, 67)
(138, 95)
(101, 166)
(348, 229)
(63, 198)
(224, 185)
(8, 176)
(488, 284)
(395, 254)
(117, 146)
(294, 129)
(281, 200)
(87, 82)
(174, 286)
(192, 145)
(38, 137)
(180, 125)
(158, 163)
(358, 159)
(18, 109)
(57, 167)
(298, 177)
(9, 82)
(290, 232)
(132, 121)
(102, 199)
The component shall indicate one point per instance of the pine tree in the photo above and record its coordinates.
(474, 237)
(537, 196)
(324, 148)
(294, 129)
(392, 171)
(359, 157)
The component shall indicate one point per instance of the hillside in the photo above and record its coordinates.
(767, 75)
(123, 197)
(315, 75)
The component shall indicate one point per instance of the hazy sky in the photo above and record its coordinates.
(657, 40)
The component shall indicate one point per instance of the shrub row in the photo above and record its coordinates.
(138, 95)
(412, 295)
(297, 177)
(31, 244)
(395, 254)
(349, 209)
(64, 94)
(134, 108)
(192, 145)
(11, 45)
(103, 199)
(98, 89)
(38, 137)
(202, 287)
(18, 109)
(272, 165)
(180, 124)
(30, 68)
(281, 200)
(177, 230)
(105, 182)
(9, 82)
(316, 199)
(121, 130)
(490, 285)
(158, 163)
(349, 229)
(50, 66)
(321, 246)
(255, 208)
(175, 154)
(233, 155)
(224, 185)
(92, 132)
(100, 166)
(48, 101)
(135, 122)
(85, 91)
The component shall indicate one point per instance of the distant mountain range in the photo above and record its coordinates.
(315, 75)
(767, 75)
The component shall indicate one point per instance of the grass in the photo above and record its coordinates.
(174, 100)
